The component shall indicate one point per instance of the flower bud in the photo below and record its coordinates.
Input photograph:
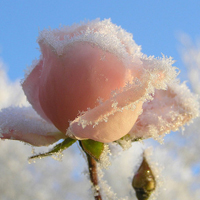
(144, 182)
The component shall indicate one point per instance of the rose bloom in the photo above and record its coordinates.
(92, 82)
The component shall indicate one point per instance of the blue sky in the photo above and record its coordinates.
(155, 24)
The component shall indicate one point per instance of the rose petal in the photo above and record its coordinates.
(31, 88)
(25, 125)
(74, 81)
(112, 119)
(169, 110)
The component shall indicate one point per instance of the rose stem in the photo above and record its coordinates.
(92, 165)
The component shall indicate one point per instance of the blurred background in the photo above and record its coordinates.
(168, 27)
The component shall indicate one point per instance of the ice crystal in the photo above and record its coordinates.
(104, 158)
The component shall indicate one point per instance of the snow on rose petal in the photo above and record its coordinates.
(168, 111)
(24, 124)
(91, 80)
(74, 81)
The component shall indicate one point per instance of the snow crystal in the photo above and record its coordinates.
(104, 34)
(104, 158)
(57, 156)
(160, 70)
(125, 143)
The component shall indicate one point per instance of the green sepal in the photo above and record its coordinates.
(56, 149)
(127, 138)
(92, 148)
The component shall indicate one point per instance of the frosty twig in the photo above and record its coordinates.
(92, 166)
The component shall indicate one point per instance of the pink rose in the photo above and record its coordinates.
(91, 82)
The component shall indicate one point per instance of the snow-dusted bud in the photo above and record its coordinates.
(143, 181)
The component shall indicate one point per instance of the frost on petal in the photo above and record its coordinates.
(112, 119)
(104, 34)
(160, 70)
(89, 63)
(75, 81)
(25, 125)
(168, 111)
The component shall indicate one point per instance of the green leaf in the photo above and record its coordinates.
(56, 149)
(92, 148)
